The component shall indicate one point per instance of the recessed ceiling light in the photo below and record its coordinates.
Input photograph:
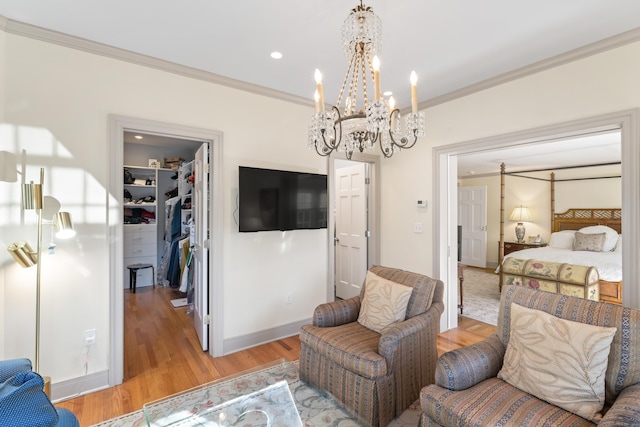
(138, 137)
(387, 93)
(276, 55)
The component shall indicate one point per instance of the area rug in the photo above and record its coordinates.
(481, 295)
(315, 409)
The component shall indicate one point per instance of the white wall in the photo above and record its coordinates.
(71, 93)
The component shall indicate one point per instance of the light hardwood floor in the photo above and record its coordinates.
(162, 356)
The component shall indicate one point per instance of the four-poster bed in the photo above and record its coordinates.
(608, 263)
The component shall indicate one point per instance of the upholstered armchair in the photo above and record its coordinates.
(375, 374)
(23, 402)
(555, 360)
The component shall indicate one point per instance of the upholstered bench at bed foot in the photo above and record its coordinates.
(491, 403)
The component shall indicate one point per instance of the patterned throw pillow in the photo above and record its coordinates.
(557, 360)
(589, 242)
(384, 303)
(611, 235)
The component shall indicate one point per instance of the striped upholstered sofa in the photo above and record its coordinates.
(469, 391)
(375, 375)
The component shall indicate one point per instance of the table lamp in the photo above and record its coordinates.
(520, 214)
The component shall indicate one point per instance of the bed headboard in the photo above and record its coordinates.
(575, 219)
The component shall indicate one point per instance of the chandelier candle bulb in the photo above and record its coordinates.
(316, 97)
(319, 89)
(376, 77)
(414, 92)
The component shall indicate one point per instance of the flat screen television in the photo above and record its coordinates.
(271, 199)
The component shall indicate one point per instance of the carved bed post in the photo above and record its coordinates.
(553, 200)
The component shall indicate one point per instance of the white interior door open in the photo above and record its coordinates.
(351, 229)
(201, 246)
(472, 215)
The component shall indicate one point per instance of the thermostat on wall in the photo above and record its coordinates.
(422, 203)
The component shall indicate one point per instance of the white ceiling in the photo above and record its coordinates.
(590, 149)
(451, 44)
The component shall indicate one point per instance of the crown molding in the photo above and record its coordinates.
(46, 35)
(600, 46)
(61, 39)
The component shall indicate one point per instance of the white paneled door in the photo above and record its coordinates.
(472, 213)
(201, 246)
(351, 229)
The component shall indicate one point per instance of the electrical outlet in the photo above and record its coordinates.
(90, 337)
(417, 227)
(289, 298)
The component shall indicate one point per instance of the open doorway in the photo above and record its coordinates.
(165, 223)
(211, 204)
(446, 175)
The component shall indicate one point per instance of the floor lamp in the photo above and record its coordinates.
(21, 251)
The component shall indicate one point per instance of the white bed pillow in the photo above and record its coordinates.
(618, 247)
(611, 235)
(562, 239)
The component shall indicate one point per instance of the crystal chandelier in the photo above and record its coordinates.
(358, 125)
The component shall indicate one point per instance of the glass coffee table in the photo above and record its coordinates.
(238, 401)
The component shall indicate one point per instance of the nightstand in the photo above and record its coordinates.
(516, 246)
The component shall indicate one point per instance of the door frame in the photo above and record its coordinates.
(445, 176)
(117, 126)
(373, 242)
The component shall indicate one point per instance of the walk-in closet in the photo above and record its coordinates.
(158, 210)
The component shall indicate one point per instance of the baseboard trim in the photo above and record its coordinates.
(232, 345)
(73, 388)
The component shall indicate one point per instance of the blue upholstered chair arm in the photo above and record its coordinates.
(337, 313)
(66, 418)
(467, 366)
(9, 368)
(625, 411)
(23, 401)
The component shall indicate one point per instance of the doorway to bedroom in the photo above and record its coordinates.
(545, 184)
(447, 178)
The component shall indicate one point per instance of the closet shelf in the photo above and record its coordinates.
(140, 185)
(138, 205)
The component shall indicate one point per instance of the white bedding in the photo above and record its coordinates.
(609, 264)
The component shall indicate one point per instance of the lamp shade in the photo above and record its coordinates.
(64, 226)
(50, 207)
(520, 214)
(32, 196)
(23, 254)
